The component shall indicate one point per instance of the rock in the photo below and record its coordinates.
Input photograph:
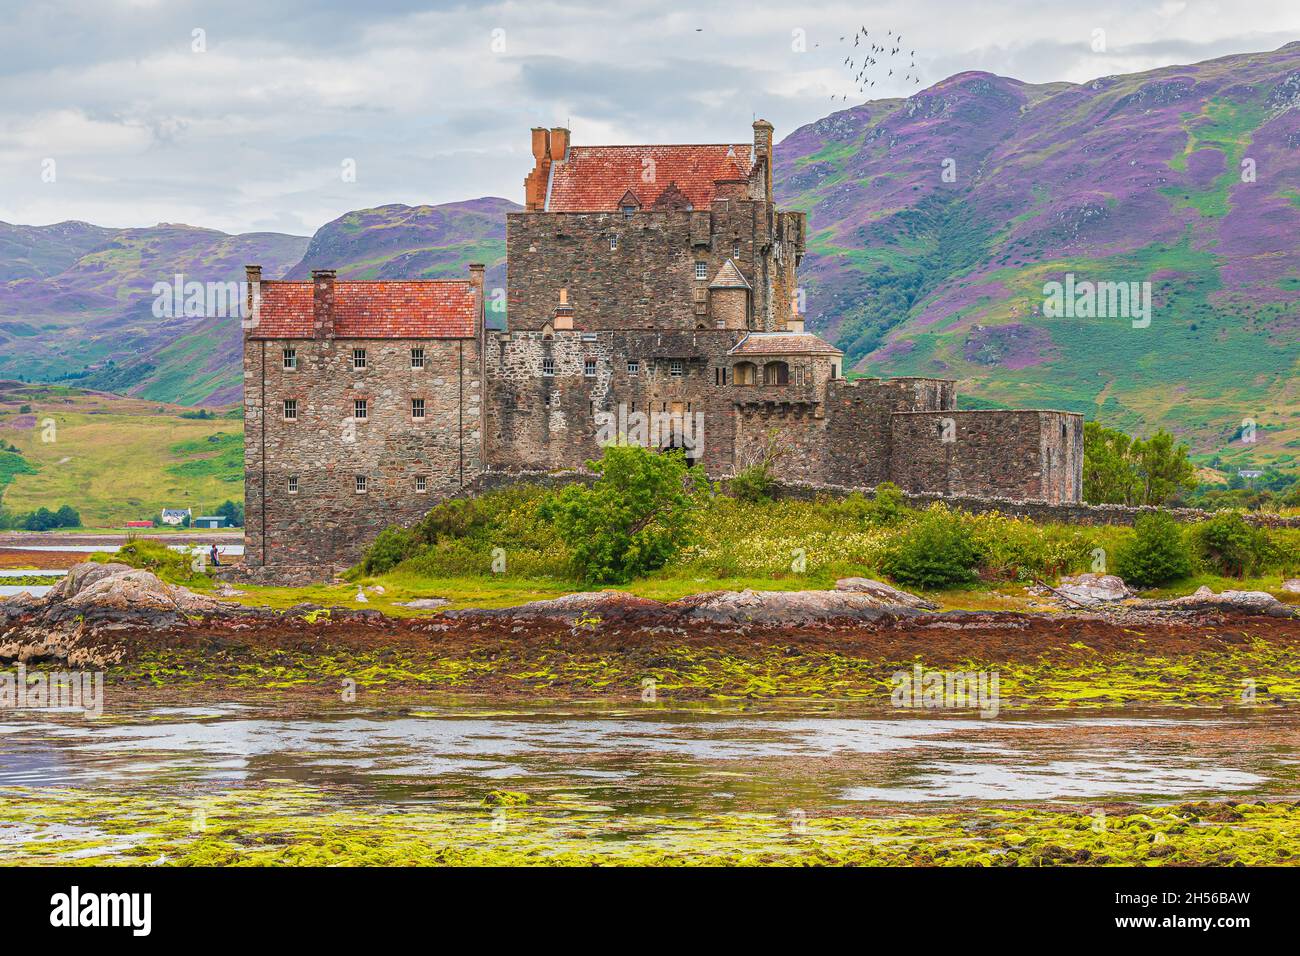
(1292, 586)
(425, 604)
(361, 597)
(1094, 588)
(886, 594)
(1244, 600)
(376, 589)
(81, 576)
(784, 607)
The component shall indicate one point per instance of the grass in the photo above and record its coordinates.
(118, 459)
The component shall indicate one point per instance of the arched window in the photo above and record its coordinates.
(776, 373)
(745, 373)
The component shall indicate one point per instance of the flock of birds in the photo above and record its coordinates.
(872, 57)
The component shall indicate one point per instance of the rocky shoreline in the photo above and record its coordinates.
(99, 610)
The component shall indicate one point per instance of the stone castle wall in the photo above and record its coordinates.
(325, 448)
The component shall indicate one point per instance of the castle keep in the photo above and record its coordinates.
(652, 297)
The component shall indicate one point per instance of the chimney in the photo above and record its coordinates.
(253, 298)
(477, 272)
(535, 183)
(563, 313)
(763, 151)
(322, 306)
(559, 143)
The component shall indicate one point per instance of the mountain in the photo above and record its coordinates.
(1138, 178)
(935, 224)
(76, 305)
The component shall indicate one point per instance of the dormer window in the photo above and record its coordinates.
(627, 212)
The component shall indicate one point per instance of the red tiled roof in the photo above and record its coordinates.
(595, 178)
(429, 309)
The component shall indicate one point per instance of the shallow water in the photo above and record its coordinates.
(659, 760)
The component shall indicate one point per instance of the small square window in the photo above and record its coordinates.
(548, 367)
(361, 484)
(417, 408)
(291, 485)
(358, 358)
(361, 408)
(290, 409)
(421, 483)
(417, 358)
(675, 368)
(701, 271)
(291, 359)
(633, 367)
(589, 368)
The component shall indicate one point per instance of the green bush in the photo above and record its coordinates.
(633, 518)
(752, 484)
(1156, 554)
(176, 567)
(1231, 547)
(389, 549)
(938, 551)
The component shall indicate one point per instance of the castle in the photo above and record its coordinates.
(652, 296)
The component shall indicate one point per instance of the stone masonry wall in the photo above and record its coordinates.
(1007, 454)
(326, 520)
(859, 415)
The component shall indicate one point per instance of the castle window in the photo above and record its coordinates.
(358, 358)
(633, 366)
(291, 486)
(589, 368)
(744, 373)
(776, 373)
(361, 408)
(735, 249)
(290, 409)
(627, 211)
(798, 375)
(291, 359)
(613, 243)
(417, 408)
(548, 367)
(361, 484)
(675, 368)
(720, 375)
(421, 483)
(417, 358)
(835, 370)
(701, 271)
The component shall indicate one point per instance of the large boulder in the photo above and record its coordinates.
(1292, 586)
(885, 594)
(1254, 601)
(1093, 588)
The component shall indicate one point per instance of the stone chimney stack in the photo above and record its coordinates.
(763, 152)
(322, 312)
(535, 183)
(477, 273)
(253, 297)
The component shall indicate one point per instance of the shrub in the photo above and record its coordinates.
(1229, 546)
(633, 518)
(388, 550)
(888, 505)
(937, 551)
(1156, 554)
(176, 567)
(752, 484)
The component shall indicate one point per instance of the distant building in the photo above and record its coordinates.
(175, 516)
(1249, 473)
(139, 524)
(208, 521)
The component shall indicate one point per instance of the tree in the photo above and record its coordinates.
(1121, 470)
(231, 512)
(633, 518)
(1156, 554)
(67, 517)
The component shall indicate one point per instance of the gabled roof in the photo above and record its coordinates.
(428, 309)
(783, 343)
(729, 277)
(595, 178)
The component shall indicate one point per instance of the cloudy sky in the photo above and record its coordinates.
(246, 115)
